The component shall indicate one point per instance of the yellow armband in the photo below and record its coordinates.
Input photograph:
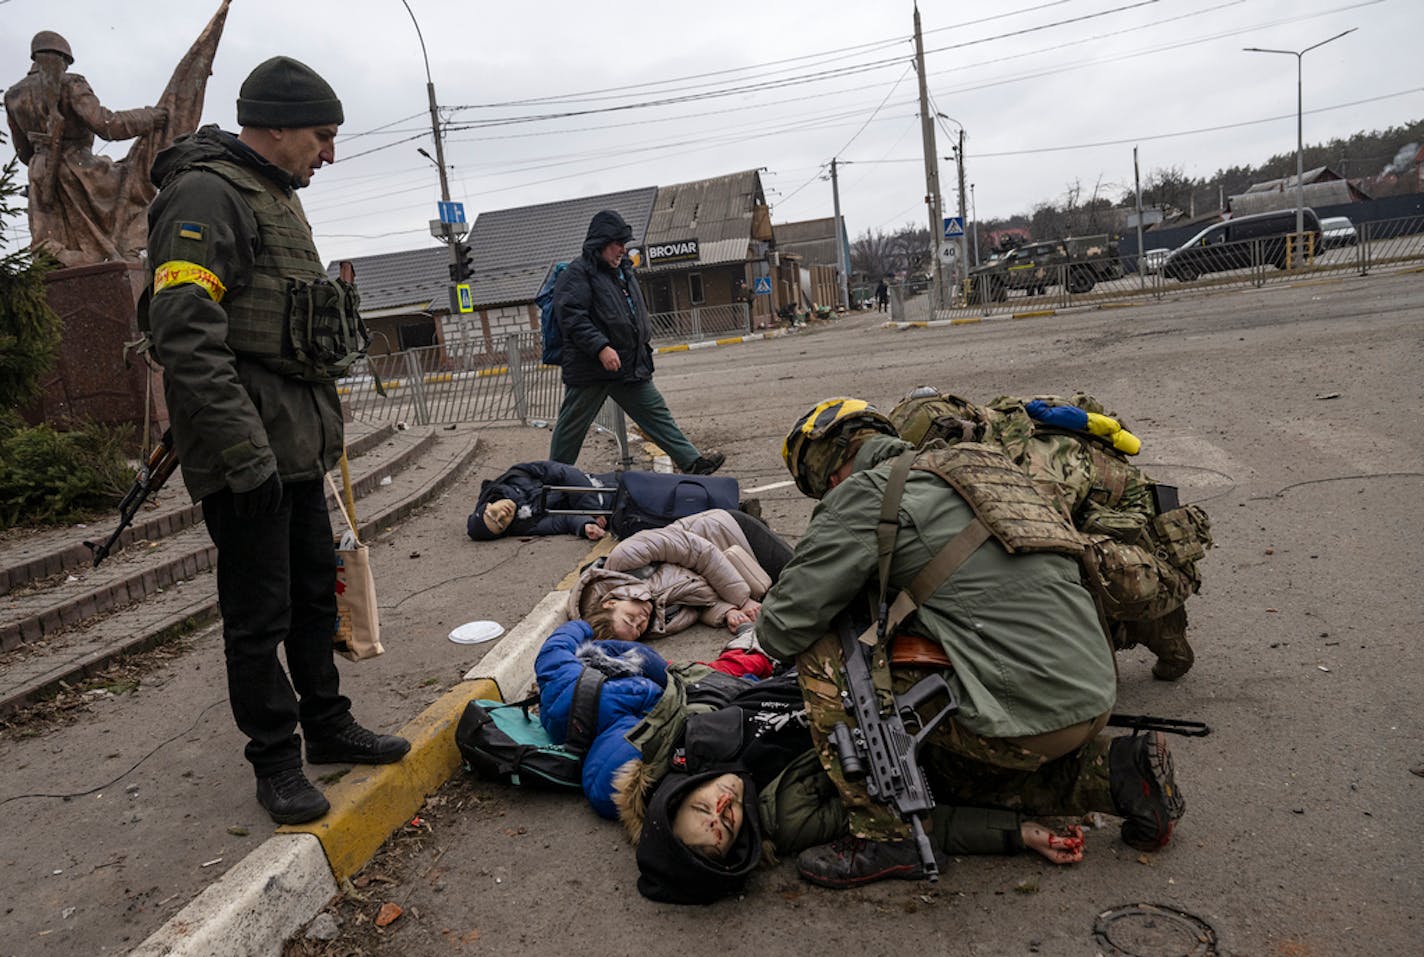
(1109, 428)
(178, 272)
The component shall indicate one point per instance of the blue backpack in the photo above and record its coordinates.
(548, 328)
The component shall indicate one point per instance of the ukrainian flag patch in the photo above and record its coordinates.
(192, 231)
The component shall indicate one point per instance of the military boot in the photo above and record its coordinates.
(1144, 790)
(1165, 637)
(852, 861)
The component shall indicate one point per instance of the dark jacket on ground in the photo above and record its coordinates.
(523, 484)
(235, 421)
(596, 306)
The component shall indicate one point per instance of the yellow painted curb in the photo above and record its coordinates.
(678, 348)
(734, 340)
(968, 321)
(1035, 314)
(372, 801)
(600, 548)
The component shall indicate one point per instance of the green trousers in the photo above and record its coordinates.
(640, 400)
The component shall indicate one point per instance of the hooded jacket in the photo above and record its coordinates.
(235, 421)
(698, 568)
(597, 306)
(523, 485)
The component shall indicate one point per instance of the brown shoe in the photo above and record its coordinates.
(852, 861)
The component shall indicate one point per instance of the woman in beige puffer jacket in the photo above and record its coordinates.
(699, 568)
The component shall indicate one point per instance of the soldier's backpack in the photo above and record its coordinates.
(505, 742)
(549, 329)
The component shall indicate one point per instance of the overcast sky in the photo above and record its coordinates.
(1049, 94)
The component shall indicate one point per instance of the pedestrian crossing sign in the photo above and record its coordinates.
(466, 297)
(761, 285)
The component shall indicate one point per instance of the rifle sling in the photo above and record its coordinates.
(945, 563)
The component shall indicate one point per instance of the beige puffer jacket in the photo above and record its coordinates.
(697, 568)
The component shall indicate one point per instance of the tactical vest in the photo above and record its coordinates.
(289, 316)
(1003, 498)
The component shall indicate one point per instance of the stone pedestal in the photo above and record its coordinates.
(92, 380)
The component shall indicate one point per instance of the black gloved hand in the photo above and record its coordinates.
(265, 499)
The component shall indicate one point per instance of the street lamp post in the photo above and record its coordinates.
(974, 217)
(1299, 122)
(447, 229)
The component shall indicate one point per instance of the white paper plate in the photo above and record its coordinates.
(474, 632)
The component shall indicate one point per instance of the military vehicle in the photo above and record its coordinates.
(1079, 262)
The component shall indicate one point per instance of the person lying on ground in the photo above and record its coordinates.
(700, 762)
(705, 567)
(515, 503)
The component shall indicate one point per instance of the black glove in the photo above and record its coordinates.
(265, 499)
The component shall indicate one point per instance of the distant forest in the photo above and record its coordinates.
(1380, 162)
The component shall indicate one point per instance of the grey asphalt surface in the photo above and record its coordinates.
(1291, 414)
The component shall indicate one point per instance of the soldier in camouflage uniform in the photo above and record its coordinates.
(1012, 623)
(1141, 565)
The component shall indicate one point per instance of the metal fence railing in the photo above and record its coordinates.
(702, 322)
(1259, 262)
(463, 383)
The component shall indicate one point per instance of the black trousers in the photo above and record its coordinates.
(768, 548)
(277, 588)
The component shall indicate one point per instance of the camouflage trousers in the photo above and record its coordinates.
(1133, 582)
(963, 768)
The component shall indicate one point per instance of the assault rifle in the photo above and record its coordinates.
(880, 750)
(1146, 722)
(151, 476)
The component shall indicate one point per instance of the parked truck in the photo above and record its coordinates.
(1079, 262)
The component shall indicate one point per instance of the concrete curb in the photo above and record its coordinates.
(966, 320)
(289, 878)
(712, 343)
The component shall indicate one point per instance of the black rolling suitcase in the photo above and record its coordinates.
(654, 499)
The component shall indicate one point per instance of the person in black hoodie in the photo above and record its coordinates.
(604, 322)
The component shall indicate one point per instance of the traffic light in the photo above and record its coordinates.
(463, 267)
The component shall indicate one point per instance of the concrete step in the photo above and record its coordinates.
(34, 556)
(93, 638)
(46, 607)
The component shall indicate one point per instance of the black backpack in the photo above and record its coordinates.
(505, 742)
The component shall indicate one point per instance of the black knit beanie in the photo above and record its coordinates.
(671, 873)
(283, 93)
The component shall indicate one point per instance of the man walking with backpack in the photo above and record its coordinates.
(607, 350)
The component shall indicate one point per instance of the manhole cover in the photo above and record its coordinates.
(1154, 930)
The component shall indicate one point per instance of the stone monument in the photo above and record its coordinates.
(90, 213)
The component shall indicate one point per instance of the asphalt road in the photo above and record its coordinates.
(1289, 413)
(1292, 414)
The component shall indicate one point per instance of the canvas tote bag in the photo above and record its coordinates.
(358, 628)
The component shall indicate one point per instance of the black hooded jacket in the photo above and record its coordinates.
(595, 306)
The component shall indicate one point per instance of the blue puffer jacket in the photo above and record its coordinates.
(636, 677)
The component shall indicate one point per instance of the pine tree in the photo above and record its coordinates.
(29, 328)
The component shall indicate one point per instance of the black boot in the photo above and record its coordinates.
(290, 798)
(353, 744)
(706, 464)
(853, 861)
(1144, 790)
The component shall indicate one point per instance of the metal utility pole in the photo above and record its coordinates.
(974, 215)
(1299, 122)
(1137, 188)
(841, 252)
(931, 172)
(449, 230)
(963, 250)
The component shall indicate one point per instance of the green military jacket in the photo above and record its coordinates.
(1028, 650)
(235, 421)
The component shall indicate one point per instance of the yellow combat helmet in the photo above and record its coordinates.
(816, 445)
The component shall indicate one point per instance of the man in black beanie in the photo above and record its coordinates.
(255, 414)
